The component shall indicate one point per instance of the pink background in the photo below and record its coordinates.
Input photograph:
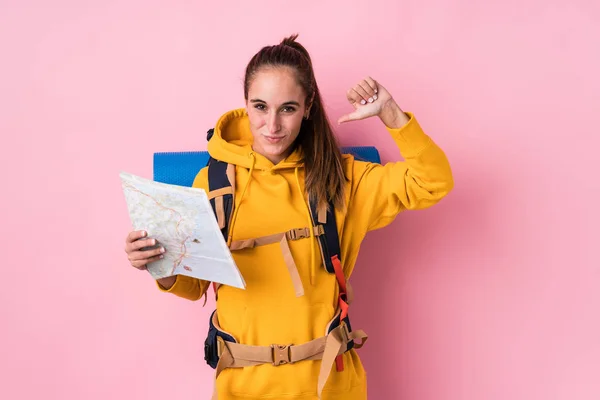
(492, 294)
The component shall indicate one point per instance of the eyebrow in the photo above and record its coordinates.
(287, 103)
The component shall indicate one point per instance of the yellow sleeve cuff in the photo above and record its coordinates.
(184, 286)
(410, 138)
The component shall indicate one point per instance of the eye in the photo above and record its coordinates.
(260, 107)
(288, 109)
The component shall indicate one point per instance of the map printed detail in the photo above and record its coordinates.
(182, 221)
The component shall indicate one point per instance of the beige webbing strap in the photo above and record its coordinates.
(349, 293)
(332, 348)
(336, 345)
(251, 243)
(235, 355)
(220, 211)
(291, 266)
(225, 361)
(282, 238)
(292, 234)
(230, 172)
(322, 214)
(247, 355)
(327, 348)
(220, 192)
(285, 249)
(356, 335)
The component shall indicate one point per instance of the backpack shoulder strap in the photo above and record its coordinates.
(221, 190)
(221, 186)
(329, 241)
(221, 193)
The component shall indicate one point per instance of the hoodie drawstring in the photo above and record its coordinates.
(311, 229)
(242, 244)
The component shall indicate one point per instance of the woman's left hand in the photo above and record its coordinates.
(370, 99)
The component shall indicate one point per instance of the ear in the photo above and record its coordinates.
(309, 106)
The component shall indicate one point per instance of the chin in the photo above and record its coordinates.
(274, 151)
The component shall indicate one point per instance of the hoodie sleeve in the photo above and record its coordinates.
(186, 286)
(381, 192)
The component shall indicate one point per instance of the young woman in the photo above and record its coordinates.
(287, 335)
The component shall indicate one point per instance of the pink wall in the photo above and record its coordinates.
(491, 295)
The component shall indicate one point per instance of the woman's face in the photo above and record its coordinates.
(276, 106)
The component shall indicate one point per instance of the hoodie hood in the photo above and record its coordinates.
(232, 143)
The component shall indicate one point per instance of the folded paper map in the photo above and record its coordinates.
(181, 219)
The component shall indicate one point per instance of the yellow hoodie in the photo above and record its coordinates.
(270, 199)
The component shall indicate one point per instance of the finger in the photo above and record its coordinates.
(354, 98)
(372, 83)
(143, 264)
(135, 235)
(363, 94)
(369, 91)
(140, 244)
(350, 117)
(143, 255)
(154, 252)
(344, 118)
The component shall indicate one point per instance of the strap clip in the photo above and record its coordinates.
(281, 354)
(297, 234)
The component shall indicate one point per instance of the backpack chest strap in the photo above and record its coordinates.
(282, 239)
(292, 234)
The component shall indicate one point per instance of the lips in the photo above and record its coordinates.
(274, 139)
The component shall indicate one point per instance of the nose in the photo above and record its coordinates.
(273, 123)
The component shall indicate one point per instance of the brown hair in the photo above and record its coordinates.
(322, 157)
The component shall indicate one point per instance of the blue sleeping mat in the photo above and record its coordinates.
(181, 168)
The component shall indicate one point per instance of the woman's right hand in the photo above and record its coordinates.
(140, 258)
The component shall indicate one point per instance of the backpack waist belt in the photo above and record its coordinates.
(231, 354)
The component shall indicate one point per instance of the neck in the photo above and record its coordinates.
(275, 159)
